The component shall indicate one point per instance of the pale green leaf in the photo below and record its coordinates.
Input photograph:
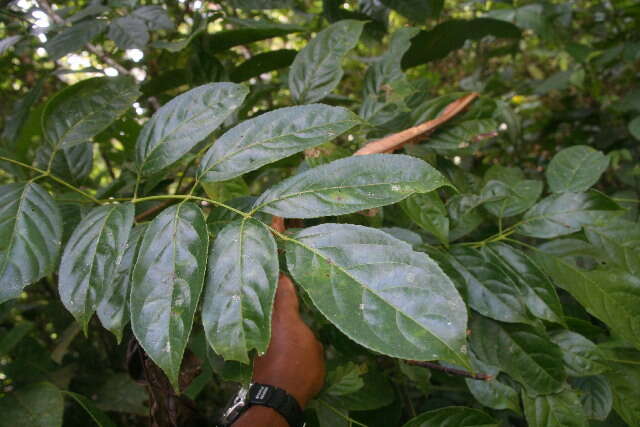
(379, 292)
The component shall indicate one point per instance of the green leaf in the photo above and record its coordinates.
(379, 292)
(408, 236)
(20, 112)
(554, 410)
(166, 284)
(120, 393)
(620, 241)
(377, 392)
(566, 213)
(451, 35)
(349, 185)
(428, 212)
(490, 290)
(13, 336)
(595, 395)
(581, 356)
(30, 233)
(513, 197)
(610, 295)
(453, 416)
(343, 380)
(100, 418)
(576, 169)
(200, 25)
(624, 378)
(250, 31)
(183, 122)
(260, 4)
(273, 136)
(494, 394)
(36, 405)
(538, 291)
(462, 139)
(263, 63)
(74, 38)
(220, 217)
(129, 32)
(521, 351)
(91, 257)
(317, 68)
(113, 308)
(72, 163)
(416, 10)
(155, 17)
(80, 112)
(240, 287)
(634, 128)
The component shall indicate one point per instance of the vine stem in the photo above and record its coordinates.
(44, 173)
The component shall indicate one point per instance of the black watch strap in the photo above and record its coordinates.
(277, 399)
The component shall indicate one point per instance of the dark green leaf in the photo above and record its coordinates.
(554, 410)
(273, 136)
(121, 394)
(10, 339)
(220, 217)
(575, 169)
(521, 351)
(30, 233)
(19, 114)
(634, 128)
(129, 32)
(155, 17)
(113, 309)
(343, 380)
(74, 38)
(91, 257)
(581, 357)
(494, 394)
(317, 69)
(566, 213)
(99, 417)
(260, 4)
(462, 139)
(451, 35)
(620, 241)
(349, 185)
(199, 26)
(240, 288)
(539, 293)
(624, 378)
(250, 31)
(416, 10)
(453, 416)
(166, 284)
(595, 395)
(36, 405)
(428, 212)
(80, 112)
(183, 122)
(263, 63)
(73, 163)
(490, 290)
(379, 292)
(612, 295)
(513, 197)
(377, 392)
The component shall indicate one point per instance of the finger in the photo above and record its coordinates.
(286, 297)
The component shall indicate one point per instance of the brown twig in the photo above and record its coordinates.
(451, 371)
(397, 140)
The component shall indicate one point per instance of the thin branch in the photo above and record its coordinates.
(451, 371)
(397, 140)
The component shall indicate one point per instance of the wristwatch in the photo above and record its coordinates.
(263, 395)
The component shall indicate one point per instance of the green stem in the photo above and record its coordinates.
(47, 174)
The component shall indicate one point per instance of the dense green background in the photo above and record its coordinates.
(505, 243)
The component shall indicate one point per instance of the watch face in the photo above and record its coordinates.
(235, 407)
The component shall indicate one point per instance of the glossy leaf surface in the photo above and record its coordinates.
(73, 163)
(273, 136)
(91, 257)
(79, 112)
(240, 287)
(532, 359)
(620, 241)
(595, 395)
(349, 185)
(183, 122)
(554, 410)
(113, 309)
(565, 213)
(428, 212)
(513, 198)
(166, 284)
(30, 234)
(576, 169)
(580, 355)
(317, 68)
(379, 292)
